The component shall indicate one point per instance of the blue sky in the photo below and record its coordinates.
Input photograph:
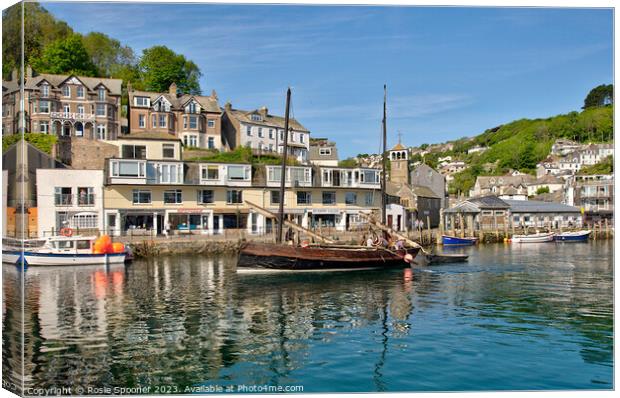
(451, 72)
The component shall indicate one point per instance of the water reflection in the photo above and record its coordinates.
(189, 321)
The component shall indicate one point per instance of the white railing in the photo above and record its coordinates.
(86, 117)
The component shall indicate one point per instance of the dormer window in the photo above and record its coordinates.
(325, 151)
(45, 90)
(192, 107)
(66, 91)
(142, 101)
(80, 91)
(256, 117)
(101, 93)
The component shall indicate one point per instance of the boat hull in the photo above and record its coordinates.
(283, 257)
(536, 238)
(581, 236)
(453, 240)
(33, 258)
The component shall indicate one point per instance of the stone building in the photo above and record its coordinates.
(194, 119)
(65, 105)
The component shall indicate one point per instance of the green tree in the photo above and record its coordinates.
(159, 67)
(599, 96)
(107, 54)
(40, 29)
(65, 56)
(542, 190)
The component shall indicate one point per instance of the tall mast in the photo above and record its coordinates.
(283, 169)
(384, 160)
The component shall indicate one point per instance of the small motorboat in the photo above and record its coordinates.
(538, 237)
(63, 250)
(454, 240)
(434, 259)
(576, 236)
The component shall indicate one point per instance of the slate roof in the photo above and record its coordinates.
(547, 179)
(535, 206)
(490, 181)
(178, 101)
(268, 121)
(91, 83)
(425, 192)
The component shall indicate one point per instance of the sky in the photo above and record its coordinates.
(450, 72)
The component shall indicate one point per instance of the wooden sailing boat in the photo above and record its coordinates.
(326, 256)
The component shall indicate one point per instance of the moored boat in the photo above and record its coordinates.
(576, 236)
(289, 257)
(538, 237)
(62, 250)
(454, 240)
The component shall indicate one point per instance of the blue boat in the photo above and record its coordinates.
(453, 240)
(578, 236)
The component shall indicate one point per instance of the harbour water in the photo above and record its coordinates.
(527, 317)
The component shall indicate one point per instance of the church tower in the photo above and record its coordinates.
(399, 164)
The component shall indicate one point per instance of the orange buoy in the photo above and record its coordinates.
(66, 232)
(408, 258)
(118, 247)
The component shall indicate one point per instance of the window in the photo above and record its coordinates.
(134, 151)
(168, 151)
(162, 120)
(80, 109)
(66, 91)
(238, 173)
(370, 176)
(210, 123)
(101, 94)
(210, 173)
(83, 221)
(44, 106)
(80, 91)
(142, 101)
(304, 198)
(211, 143)
(329, 198)
(275, 197)
(66, 108)
(292, 137)
(45, 90)
(191, 141)
(173, 197)
(368, 198)
(127, 169)
(44, 127)
(205, 196)
(169, 173)
(260, 132)
(301, 138)
(248, 131)
(499, 212)
(487, 213)
(234, 197)
(141, 196)
(86, 196)
(62, 196)
(193, 122)
(274, 173)
(100, 109)
(141, 121)
(350, 198)
(101, 132)
(271, 134)
(154, 118)
(256, 117)
(192, 107)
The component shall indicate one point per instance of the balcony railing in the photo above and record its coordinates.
(79, 117)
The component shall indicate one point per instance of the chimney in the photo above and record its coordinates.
(28, 71)
(228, 106)
(264, 112)
(173, 89)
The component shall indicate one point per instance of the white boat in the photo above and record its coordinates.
(59, 250)
(538, 237)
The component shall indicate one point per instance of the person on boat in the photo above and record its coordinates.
(399, 244)
(369, 241)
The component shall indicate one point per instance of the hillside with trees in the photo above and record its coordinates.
(52, 46)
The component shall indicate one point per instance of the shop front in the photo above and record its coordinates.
(190, 220)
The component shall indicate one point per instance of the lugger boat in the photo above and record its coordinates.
(576, 236)
(63, 250)
(454, 240)
(327, 256)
